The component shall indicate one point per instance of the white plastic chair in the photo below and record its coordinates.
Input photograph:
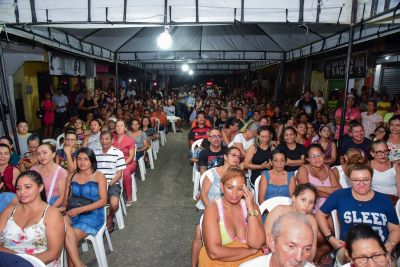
(142, 166)
(198, 184)
(60, 141)
(98, 243)
(201, 227)
(257, 189)
(163, 136)
(51, 141)
(271, 203)
(134, 187)
(154, 146)
(336, 225)
(150, 155)
(195, 171)
(32, 260)
(172, 120)
(398, 209)
(119, 214)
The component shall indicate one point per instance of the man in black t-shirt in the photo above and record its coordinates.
(355, 139)
(212, 156)
(308, 104)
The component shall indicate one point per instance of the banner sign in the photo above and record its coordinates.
(336, 68)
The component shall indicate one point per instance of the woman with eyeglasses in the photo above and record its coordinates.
(359, 204)
(211, 190)
(317, 173)
(258, 156)
(66, 155)
(365, 248)
(386, 178)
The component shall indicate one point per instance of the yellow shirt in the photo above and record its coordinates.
(383, 107)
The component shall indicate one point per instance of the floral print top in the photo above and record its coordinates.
(30, 240)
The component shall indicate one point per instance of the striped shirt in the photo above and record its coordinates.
(111, 162)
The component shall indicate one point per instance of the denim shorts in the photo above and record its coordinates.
(114, 190)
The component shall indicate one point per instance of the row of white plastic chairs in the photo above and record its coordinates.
(97, 240)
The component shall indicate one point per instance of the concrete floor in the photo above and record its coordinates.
(159, 226)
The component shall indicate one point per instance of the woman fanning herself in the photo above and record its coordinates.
(276, 182)
(293, 151)
(303, 198)
(124, 143)
(53, 175)
(258, 156)
(232, 228)
(211, 190)
(325, 140)
(386, 178)
(32, 226)
(86, 220)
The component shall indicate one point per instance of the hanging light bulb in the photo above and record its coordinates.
(185, 67)
(164, 40)
(190, 72)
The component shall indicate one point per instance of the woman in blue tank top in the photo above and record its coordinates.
(276, 182)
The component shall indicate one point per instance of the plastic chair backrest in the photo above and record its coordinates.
(157, 124)
(32, 260)
(59, 142)
(271, 203)
(202, 179)
(201, 227)
(51, 141)
(398, 209)
(336, 225)
(257, 189)
(196, 143)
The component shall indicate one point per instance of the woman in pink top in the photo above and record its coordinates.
(127, 145)
(48, 118)
(317, 173)
(351, 113)
(53, 175)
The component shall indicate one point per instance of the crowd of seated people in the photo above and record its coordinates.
(291, 148)
(292, 151)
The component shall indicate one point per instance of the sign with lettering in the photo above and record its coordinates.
(336, 68)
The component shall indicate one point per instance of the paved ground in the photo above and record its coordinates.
(159, 226)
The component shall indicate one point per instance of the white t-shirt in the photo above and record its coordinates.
(369, 122)
(263, 261)
(239, 138)
(320, 102)
(60, 100)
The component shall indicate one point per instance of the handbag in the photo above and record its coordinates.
(77, 202)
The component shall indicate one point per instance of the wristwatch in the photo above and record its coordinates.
(327, 237)
(252, 213)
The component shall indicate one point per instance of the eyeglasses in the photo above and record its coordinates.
(68, 139)
(378, 259)
(215, 136)
(382, 153)
(366, 181)
(234, 155)
(316, 155)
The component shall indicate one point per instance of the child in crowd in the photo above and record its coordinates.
(23, 135)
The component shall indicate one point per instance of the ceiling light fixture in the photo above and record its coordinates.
(387, 57)
(185, 67)
(190, 72)
(164, 40)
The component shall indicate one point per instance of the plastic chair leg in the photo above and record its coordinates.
(121, 199)
(134, 188)
(120, 218)
(99, 250)
(108, 237)
(150, 154)
(173, 126)
(196, 186)
(142, 168)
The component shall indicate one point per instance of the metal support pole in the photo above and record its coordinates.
(116, 81)
(305, 74)
(347, 74)
(279, 82)
(4, 88)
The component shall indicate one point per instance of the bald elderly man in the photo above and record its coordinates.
(291, 243)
